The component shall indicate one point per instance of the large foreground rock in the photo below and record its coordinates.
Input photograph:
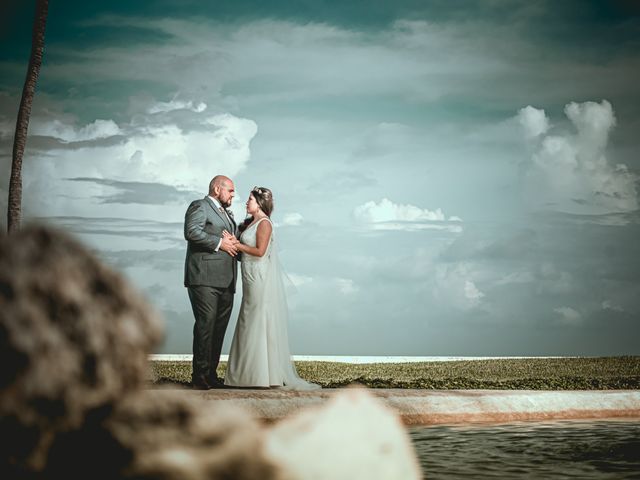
(164, 435)
(74, 343)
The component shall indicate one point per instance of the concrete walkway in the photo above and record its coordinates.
(432, 407)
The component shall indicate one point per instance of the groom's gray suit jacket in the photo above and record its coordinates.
(203, 227)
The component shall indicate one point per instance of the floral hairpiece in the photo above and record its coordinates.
(261, 191)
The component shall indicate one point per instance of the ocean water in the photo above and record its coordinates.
(559, 449)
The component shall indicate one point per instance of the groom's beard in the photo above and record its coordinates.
(222, 203)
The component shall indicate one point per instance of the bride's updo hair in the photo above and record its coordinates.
(264, 199)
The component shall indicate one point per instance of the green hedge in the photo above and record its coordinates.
(582, 373)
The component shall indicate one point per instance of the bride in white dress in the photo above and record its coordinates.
(259, 355)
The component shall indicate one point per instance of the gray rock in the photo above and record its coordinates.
(179, 438)
(74, 343)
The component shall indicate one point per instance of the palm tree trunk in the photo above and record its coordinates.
(14, 207)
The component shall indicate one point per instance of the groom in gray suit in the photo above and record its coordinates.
(210, 277)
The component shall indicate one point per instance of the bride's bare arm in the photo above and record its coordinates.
(263, 235)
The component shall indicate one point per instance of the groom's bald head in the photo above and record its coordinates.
(222, 189)
(218, 181)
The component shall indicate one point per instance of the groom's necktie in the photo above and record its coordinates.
(227, 214)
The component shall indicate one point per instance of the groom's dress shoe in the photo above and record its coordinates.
(200, 386)
(216, 383)
(200, 383)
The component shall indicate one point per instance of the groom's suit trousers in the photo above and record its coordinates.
(212, 309)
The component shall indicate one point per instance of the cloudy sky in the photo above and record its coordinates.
(450, 178)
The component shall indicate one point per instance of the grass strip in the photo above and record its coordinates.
(581, 373)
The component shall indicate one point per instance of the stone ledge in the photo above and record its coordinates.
(433, 407)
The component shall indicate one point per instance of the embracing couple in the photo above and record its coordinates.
(259, 355)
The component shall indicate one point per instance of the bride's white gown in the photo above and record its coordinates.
(259, 355)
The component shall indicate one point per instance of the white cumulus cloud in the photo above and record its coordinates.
(608, 305)
(162, 153)
(292, 219)
(571, 172)
(177, 105)
(533, 120)
(455, 287)
(346, 286)
(298, 280)
(387, 215)
(568, 315)
(71, 133)
(471, 291)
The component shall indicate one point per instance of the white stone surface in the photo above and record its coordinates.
(432, 407)
(353, 436)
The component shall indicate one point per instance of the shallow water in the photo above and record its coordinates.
(561, 449)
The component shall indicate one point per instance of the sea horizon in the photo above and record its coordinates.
(168, 357)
